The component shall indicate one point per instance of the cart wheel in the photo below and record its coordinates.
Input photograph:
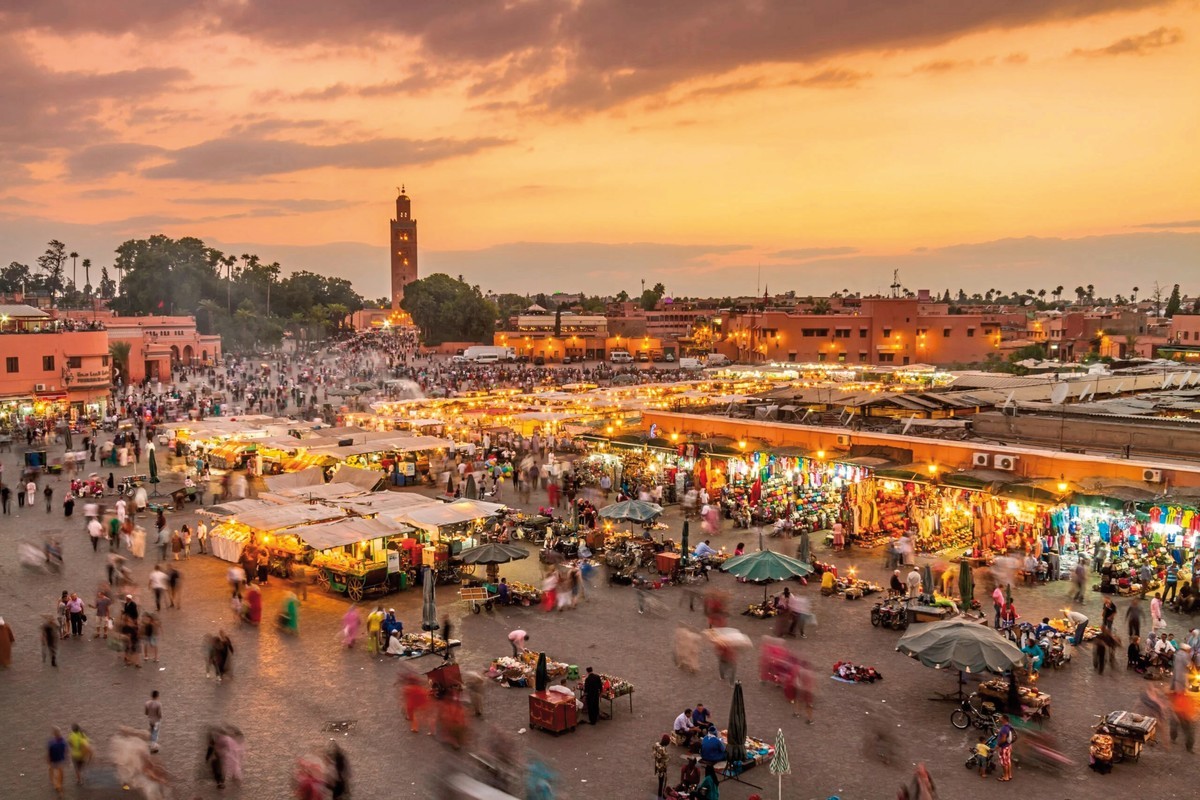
(323, 579)
(476, 608)
(354, 588)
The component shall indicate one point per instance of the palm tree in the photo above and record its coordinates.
(87, 274)
(1133, 297)
(119, 352)
(1058, 293)
(74, 269)
(821, 306)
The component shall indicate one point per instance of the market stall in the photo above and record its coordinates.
(358, 556)
(269, 526)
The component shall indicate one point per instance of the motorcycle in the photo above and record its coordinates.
(889, 614)
(974, 712)
(1055, 648)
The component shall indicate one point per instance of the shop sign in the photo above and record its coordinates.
(393, 561)
(91, 377)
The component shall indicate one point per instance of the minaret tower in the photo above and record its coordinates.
(404, 248)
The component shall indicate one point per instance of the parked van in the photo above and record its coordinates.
(487, 358)
(620, 357)
(690, 363)
(718, 360)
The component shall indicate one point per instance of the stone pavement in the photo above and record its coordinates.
(285, 693)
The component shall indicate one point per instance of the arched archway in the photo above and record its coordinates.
(174, 354)
(204, 356)
(187, 355)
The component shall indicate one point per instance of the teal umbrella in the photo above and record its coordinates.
(961, 645)
(632, 511)
(153, 465)
(736, 744)
(766, 566)
(779, 763)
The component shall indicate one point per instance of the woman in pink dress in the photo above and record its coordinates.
(351, 625)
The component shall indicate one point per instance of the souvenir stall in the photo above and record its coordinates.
(612, 688)
(806, 493)
(942, 517)
(269, 527)
(358, 556)
(446, 529)
(518, 672)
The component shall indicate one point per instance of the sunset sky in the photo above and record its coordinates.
(562, 145)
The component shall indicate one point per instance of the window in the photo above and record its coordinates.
(841, 333)
(886, 358)
(842, 357)
(970, 333)
(12, 364)
(862, 355)
(104, 361)
(887, 333)
(906, 359)
(814, 332)
(47, 363)
(821, 356)
(792, 356)
(74, 362)
(862, 333)
(922, 331)
(945, 333)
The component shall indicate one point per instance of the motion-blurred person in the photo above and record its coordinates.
(289, 617)
(338, 773)
(687, 648)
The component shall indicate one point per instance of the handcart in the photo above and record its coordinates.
(478, 597)
(1130, 732)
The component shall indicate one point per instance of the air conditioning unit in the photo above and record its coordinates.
(843, 440)
(1007, 463)
(1152, 475)
(39, 387)
(981, 459)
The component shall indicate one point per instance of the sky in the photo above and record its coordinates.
(718, 146)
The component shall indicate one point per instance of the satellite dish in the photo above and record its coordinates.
(1059, 395)
(1189, 378)
(1084, 392)
(1117, 390)
(1009, 401)
(1170, 376)
(907, 424)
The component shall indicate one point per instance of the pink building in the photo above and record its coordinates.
(157, 343)
(50, 369)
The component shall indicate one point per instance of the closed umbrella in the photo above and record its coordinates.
(804, 553)
(779, 763)
(153, 466)
(541, 676)
(736, 745)
(450, 484)
(966, 584)
(684, 543)
(428, 605)
(472, 492)
(927, 580)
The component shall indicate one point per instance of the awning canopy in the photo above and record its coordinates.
(977, 479)
(328, 491)
(456, 513)
(313, 476)
(366, 479)
(235, 507)
(281, 517)
(349, 531)
(388, 504)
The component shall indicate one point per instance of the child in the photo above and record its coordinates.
(982, 754)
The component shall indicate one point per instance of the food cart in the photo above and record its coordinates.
(269, 526)
(447, 529)
(358, 557)
(1129, 733)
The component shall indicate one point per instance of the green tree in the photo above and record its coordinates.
(51, 263)
(511, 305)
(108, 287)
(16, 277)
(119, 352)
(446, 310)
(651, 297)
(622, 296)
(1174, 301)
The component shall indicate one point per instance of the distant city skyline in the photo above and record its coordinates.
(585, 146)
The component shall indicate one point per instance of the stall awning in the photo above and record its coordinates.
(366, 479)
(313, 476)
(348, 531)
(976, 479)
(235, 507)
(384, 503)
(1029, 493)
(909, 473)
(281, 517)
(329, 491)
(456, 513)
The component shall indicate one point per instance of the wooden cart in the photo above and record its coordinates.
(1130, 733)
